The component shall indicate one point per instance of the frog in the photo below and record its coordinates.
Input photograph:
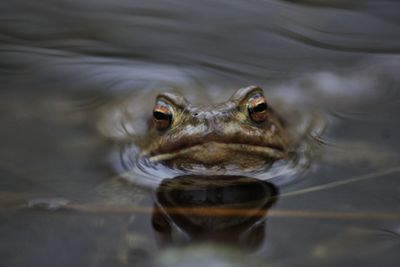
(249, 131)
(244, 131)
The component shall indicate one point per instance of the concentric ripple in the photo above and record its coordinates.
(136, 168)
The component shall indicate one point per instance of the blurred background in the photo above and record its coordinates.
(63, 60)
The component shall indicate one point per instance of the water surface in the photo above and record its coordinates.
(65, 65)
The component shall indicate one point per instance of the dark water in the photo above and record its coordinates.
(63, 198)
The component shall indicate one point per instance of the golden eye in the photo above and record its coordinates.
(162, 114)
(257, 108)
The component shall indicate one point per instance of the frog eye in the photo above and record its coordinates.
(162, 114)
(257, 108)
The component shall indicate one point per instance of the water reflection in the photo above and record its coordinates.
(62, 60)
(222, 209)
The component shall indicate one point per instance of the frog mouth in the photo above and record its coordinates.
(215, 151)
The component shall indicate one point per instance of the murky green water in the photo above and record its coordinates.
(70, 197)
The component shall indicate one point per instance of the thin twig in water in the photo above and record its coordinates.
(342, 182)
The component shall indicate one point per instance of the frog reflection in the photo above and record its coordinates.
(244, 132)
(223, 209)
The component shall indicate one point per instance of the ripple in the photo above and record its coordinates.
(132, 166)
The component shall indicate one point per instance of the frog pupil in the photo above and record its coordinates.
(260, 107)
(161, 116)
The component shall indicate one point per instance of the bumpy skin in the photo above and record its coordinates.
(217, 135)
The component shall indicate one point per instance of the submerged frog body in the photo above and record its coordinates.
(244, 132)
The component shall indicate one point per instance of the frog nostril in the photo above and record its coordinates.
(195, 114)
